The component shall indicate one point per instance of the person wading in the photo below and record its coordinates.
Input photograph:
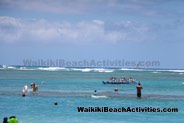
(139, 88)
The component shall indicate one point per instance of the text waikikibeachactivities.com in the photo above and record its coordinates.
(89, 63)
(127, 109)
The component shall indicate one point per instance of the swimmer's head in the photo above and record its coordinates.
(32, 84)
(5, 120)
(12, 117)
(23, 95)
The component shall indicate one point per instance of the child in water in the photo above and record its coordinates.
(24, 90)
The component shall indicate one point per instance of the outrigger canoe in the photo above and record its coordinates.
(107, 82)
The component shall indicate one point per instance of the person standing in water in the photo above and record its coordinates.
(34, 87)
(5, 120)
(139, 88)
(13, 119)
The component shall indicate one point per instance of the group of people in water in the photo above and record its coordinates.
(122, 79)
(138, 87)
(34, 87)
(130, 80)
(25, 89)
(11, 119)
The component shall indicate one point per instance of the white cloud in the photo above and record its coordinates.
(84, 32)
(157, 9)
(56, 6)
(10, 29)
(85, 6)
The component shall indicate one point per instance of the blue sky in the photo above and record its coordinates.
(139, 30)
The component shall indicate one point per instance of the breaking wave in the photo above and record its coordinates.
(132, 69)
(100, 70)
(93, 70)
(8, 67)
(52, 68)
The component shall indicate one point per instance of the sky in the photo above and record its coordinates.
(132, 30)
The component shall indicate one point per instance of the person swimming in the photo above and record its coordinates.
(34, 87)
(24, 90)
(56, 103)
(95, 93)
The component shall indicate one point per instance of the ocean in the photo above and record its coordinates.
(72, 88)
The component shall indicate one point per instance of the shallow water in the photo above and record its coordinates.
(72, 87)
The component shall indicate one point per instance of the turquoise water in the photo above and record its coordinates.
(41, 109)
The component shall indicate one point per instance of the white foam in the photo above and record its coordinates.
(95, 70)
(52, 68)
(75, 69)
(25, 68)
(176, 71)
(9, 67)
(131, 69)
(81, 69)
(96, 96)
(92, 69)
(86, 70)
(155, 72)
(103, 70)
(4, 66)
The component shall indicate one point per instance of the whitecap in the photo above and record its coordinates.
(52, 68)
(103, 70)
(8, 67)
(25, 68)
(4, 66)
(11, 67)
(75, 69)
(172, 70)
(155, 72)
(131, 69)
(92, 69)
(86, 70)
